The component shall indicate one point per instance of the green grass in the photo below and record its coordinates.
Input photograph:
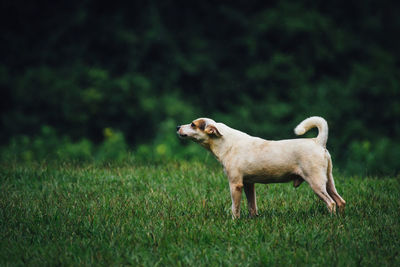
(179, 214)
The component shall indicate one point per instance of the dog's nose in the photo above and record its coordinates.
(178, 127)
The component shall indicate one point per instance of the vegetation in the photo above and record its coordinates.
(83, 68)
(91, 170)
(178, 213)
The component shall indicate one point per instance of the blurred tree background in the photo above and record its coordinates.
(82, 79)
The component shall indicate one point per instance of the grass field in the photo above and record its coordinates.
(179, 214)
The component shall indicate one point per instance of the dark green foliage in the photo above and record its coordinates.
(176, 213)
(141, 68)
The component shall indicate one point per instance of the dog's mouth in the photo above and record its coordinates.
(182, 135)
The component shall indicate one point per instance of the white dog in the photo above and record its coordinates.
(248, 160)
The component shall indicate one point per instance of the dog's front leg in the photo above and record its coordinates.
(250, 191)
(236, 195)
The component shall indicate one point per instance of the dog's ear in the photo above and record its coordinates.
(212, 130)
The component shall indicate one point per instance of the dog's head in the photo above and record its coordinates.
(200, 130)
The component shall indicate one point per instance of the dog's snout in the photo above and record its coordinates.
(178, 127)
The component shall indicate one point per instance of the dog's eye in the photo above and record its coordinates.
(193, 125)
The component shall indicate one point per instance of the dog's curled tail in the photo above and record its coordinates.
(312, 122)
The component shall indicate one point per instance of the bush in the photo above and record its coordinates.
(113, 148)
(141, 68)
(373, 158)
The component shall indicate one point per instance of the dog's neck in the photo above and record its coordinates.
(221, 146)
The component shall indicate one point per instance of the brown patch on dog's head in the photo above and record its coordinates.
(206, 128)
(200, 123)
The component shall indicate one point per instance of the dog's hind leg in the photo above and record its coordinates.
(318, 185)
(297, 182)
(250, 191)
(330, 187)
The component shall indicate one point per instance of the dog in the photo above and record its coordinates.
(248, 160)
